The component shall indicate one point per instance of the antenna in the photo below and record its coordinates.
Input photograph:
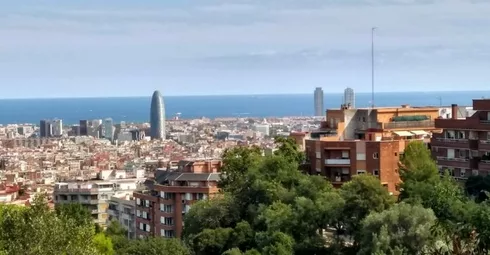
(372, 66)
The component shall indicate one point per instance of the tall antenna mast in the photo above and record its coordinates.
(372, 66)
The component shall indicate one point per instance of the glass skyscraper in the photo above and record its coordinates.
(157, 116)
(319, 111)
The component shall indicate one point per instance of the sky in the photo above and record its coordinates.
(93, 48)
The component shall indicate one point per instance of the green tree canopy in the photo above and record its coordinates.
(402, 228)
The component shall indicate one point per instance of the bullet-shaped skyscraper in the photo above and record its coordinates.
(319, 102)
(157, 116)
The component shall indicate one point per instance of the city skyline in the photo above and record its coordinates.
(214, 47)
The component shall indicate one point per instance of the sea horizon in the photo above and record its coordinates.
(137, 109)
(251, 94)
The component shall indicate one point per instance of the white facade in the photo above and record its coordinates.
(318, 102)
(350, 97)
(263, 129)
(57, 127)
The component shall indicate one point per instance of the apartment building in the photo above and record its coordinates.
(122, 209)
(403, 123)
(463, 147)
(160, 209)
(96, 194)
(339, 161)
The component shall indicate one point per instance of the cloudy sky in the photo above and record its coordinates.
(201, 47)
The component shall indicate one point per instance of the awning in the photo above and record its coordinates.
(403, 133)
(419, 132)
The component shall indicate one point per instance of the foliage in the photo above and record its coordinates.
(37, 230)
(401, 229)
(103, 244)
(363, 195)
(154, 246)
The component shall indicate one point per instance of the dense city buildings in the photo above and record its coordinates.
(318, 102)
(160, 209)
(157, 116)
(463, 146)
(350, 97)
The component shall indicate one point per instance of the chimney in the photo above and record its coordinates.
(454, 111)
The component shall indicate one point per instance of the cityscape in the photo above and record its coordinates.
(244, 128)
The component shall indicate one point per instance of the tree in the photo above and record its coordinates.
(155, 246)
(47, 232)
(74, 211)
(288, 148)
(363, 195)
(402, 228)
(118, 235)
(103, 244)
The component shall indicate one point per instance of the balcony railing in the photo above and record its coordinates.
(451, 140)
(409, 124)
(453, 159)
(485, 141)
(337, 161)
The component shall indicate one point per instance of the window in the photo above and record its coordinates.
(462, 173)
(142, 226)
(166, 208)
(188, 196)
(104, 196)
(361, 156)
(375, 155)
(147, 227)
(396, 154)
(169, 221)
(200, 196)
(345, 154)
(167, 233)
(145, 215)
(361, 171)
(168, 196)
(138, 201)
(138, 213)
(318, 155)
(376, 172)
(147, 203)
(363, 119)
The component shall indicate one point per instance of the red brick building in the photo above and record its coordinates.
(161, 208)
(463, 147)
(339, 161)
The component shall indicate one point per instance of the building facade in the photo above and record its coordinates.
(96, 194)
(160, 209)
(109, 129)
(463, 146)
(157, 116)
(339, 161)
(350, 97)
(318, 102)
(122, 209)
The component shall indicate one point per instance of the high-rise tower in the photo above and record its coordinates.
(349, 98)
(157, 116)
(319, 102)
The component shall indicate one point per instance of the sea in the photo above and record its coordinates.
(137, 109)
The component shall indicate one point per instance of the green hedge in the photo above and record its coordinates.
(411, 118)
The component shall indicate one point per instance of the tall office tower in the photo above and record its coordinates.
(83, 127)
(319, 102)
(109, 129)
(157, 116)
(57, 126)
(349, 98)
(44, 128)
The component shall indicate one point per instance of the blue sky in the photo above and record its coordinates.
(130, 48)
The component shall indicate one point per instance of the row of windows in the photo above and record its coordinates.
(185, 196)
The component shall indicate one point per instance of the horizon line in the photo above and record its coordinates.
(227, 95)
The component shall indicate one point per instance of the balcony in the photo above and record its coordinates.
(422, 124)
(484, 165)
(450, 143)
(484, 145)
(453, 162)
(337, 162)
(469, 123)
